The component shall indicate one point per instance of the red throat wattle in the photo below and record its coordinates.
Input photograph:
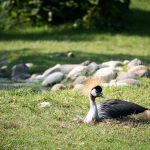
(92, 97)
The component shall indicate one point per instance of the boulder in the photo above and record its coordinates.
(107, 74)
(125, 75)
(78, 71)
(78, 87)
(134, 62)
(56, 68)
(3, 71)
(125, 62)
(68, 67)
(20, 72)
(58, 87)
(85, 63)
(140, 71)
(53, 78)
(112, 64)
(92, 67)
(129, 82)
(79, 80)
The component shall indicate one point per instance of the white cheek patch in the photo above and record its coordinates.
(93, 92)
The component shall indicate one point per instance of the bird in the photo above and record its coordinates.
(112, 108)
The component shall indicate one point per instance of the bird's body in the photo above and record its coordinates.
(118, 109)
(113, 108)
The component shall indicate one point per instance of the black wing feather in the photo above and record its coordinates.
(119, 108)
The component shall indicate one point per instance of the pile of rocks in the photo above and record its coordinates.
(113, 73)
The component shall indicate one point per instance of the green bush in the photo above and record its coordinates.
(82, 12)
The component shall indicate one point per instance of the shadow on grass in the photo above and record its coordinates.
(43, 61)
(138, 23)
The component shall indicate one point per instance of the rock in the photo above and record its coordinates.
(51, 70)
(134, 62)
(33, 77)
(53, 78)
(140, 71)
(125, 75)
(3, 71)
(79, 80)
(68, 67)
(39, 77)
(107, 74)
(124, 82)
(113, 84)
(125, 62)
(78, 71)
(129, 82)
(78, 87)
(113, 64)
(20, 72)
(45, 104)
(58, 87)
(29, 65)
(85, 63)
(92, 67)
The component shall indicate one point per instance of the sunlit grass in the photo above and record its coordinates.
(23, 125)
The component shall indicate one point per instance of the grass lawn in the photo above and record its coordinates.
(25, 126)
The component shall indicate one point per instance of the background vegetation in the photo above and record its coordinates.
(81, 13)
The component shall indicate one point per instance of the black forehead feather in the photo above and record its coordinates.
(98, 89)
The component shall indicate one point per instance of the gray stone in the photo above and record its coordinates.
(125, 75)
(134, 62)
(33, 77)
(113, 84)
(125, 62)
(78, 71)
(79, 80)
(85, 63)
(106, 74)
(92, 67)
(129, 82)
(39, 77)
(78, 87)
(30, 65)
(53, 78)
(68, 67)
(22, 76)
(140, 71)
(3, 71)
(20, 72)
(58, 87)
(113, 64)
(51, 70)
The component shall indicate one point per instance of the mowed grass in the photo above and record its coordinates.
(23, 125)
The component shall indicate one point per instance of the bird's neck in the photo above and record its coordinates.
(93, 113)
(92, 102)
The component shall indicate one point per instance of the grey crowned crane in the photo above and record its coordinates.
(113, 108)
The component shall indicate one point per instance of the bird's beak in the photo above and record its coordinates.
(101, 95)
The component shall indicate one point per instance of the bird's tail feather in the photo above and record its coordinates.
(90, 83)
(145, 116)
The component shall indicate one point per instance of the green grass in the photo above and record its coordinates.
(23, 125)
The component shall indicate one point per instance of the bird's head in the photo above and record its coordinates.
(97, 92)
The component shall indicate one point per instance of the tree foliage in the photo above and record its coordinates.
(81, 12)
